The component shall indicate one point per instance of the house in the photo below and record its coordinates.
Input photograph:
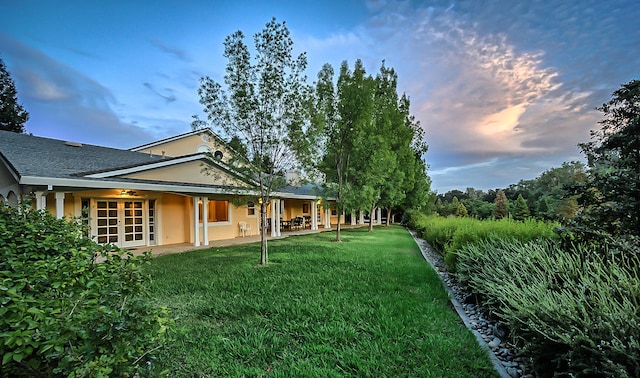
(154, 194)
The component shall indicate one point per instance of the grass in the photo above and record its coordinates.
(369, 306)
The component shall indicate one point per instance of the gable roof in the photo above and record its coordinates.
(207, 131)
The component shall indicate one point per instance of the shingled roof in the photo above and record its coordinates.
(30, 155)
(46, 158)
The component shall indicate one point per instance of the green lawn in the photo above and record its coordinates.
(369, 306)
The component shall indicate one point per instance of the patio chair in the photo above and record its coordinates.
(297, 222)
(244, 227)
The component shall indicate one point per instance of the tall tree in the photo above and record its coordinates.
(611, 196)
(12, 115)
(501, 209)
(342, 112)
(264, 107)
(521, 211)
(402, 139)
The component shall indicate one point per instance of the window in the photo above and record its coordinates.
(251, 208)
(305, 208)
(218, 154)
(152, 221)
(334, 210)
(218, 211)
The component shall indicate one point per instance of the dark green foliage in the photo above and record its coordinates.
(521, 211)
(549, 192)
(12, 115)
(610, 199)
(62, 313)
(372, 145)
(573, 311)
(478, 208)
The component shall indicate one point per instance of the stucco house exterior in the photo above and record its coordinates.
(154, 194)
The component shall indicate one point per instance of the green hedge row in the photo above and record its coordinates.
(448, 235)
(574, 312)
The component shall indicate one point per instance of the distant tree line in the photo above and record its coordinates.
(547, 197)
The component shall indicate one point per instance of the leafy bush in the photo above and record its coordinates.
(414, 219)
(64, 314)
(448, 235)
(575, 312)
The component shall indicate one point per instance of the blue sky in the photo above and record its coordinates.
(503, 89)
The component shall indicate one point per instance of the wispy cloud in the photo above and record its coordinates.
(483, 101)
(168, 98)
(63, 101)
(171, 50)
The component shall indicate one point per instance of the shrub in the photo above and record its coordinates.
(63, 314)
(448, 235)
(574, 312)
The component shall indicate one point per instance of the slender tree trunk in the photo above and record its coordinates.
(264, 255)
(338, 202)
(388, 216)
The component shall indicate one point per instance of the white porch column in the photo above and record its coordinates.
(205, 220)
(379, 215)
(314, 215)
(361, 218)
(196, 222)
(273, 218)
(327, 218)
(41, 200)
(278, 216)
(353, 218)
(59, 205)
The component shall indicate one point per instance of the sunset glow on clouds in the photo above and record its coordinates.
(503, 89)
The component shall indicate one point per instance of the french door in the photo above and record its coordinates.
(121, 222)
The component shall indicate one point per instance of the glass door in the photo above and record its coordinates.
(107, 222)
(133, 232)
(121, 222)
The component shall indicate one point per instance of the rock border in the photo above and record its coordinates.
(503, 356)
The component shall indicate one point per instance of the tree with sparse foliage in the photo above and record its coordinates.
(264, 107)
(501, 209)
(12, 115)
